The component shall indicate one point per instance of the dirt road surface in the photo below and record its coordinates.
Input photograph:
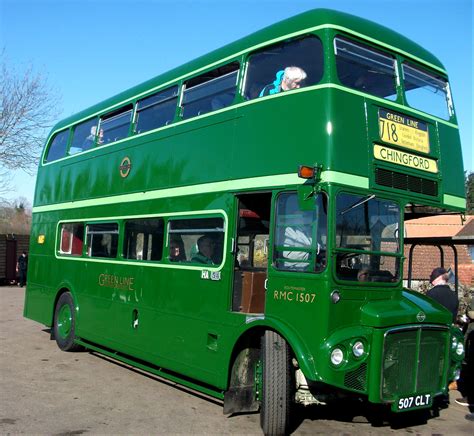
(46, 391)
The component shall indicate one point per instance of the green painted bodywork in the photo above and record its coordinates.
(185, 323)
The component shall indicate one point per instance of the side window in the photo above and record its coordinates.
(283, 67)
(365, 69)
(198, 240)
(58, 146)
(72, 239)
(84, 136)
(115, 125)
(157, 110)
(143, 239)
(211, 91)
(300, 235)
(102, 240)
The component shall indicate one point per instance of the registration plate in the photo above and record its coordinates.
(412, 402)
(403, 131)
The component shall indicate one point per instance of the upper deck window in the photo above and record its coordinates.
(266, 68)
(115, 125)
(365, 69)
(84, 136)
(57, 149)
(211, 91)
(156, 110)
(427, 92)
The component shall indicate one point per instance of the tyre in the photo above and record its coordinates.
(276, 385)
(64, 326)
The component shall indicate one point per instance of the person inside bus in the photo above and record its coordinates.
(205, 252)
(177, 253)
(89, 141)
(286, 80)
(363, 275)
(442, 293)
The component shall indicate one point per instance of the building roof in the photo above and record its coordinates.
(440, 230)
(467, 232)
(437, 226)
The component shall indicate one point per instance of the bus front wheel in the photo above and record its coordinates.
(64, 326)
(276, 385)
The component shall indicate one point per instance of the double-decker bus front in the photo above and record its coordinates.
(392, 148)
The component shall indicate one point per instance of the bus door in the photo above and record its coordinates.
(298, 253)
(251, 252)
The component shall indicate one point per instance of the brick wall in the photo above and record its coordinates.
(426, 258)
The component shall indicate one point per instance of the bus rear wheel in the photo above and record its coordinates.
(64, 326)
(276, 385)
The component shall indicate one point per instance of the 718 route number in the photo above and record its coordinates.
(414, 401)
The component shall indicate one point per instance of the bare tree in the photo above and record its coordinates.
(15, 216)
(28, 109)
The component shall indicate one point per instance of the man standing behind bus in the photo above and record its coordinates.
(442, 293)
(21, 268)
(286, 80)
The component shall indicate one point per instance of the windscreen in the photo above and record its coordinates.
(367, 238)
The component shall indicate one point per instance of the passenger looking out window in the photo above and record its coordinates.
(205, 252)
(284, 66)
(286, 80)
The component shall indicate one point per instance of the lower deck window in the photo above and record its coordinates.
(144, 239)
(102, 240)
(198, 241)
(72, 238)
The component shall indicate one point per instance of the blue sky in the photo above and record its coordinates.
(91, 50)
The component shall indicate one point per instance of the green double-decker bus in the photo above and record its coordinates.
(236, 224)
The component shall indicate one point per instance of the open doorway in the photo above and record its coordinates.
(251, 254)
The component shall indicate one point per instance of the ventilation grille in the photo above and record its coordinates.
(357, 379)
(406, 182)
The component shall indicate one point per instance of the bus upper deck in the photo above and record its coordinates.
(369, 94)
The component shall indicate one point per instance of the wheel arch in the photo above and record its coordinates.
(247, 351)
(64, 287)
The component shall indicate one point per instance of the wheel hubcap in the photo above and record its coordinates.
(64, 321)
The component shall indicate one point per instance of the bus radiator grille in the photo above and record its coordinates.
(414, 361)
(406, 182)
(357, 379)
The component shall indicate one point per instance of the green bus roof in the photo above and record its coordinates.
(298, 23)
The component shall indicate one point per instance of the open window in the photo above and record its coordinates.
(210, 91)
(102, 240)
(266, 67)
(156, 110)
(115, 125)
(361, 67)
